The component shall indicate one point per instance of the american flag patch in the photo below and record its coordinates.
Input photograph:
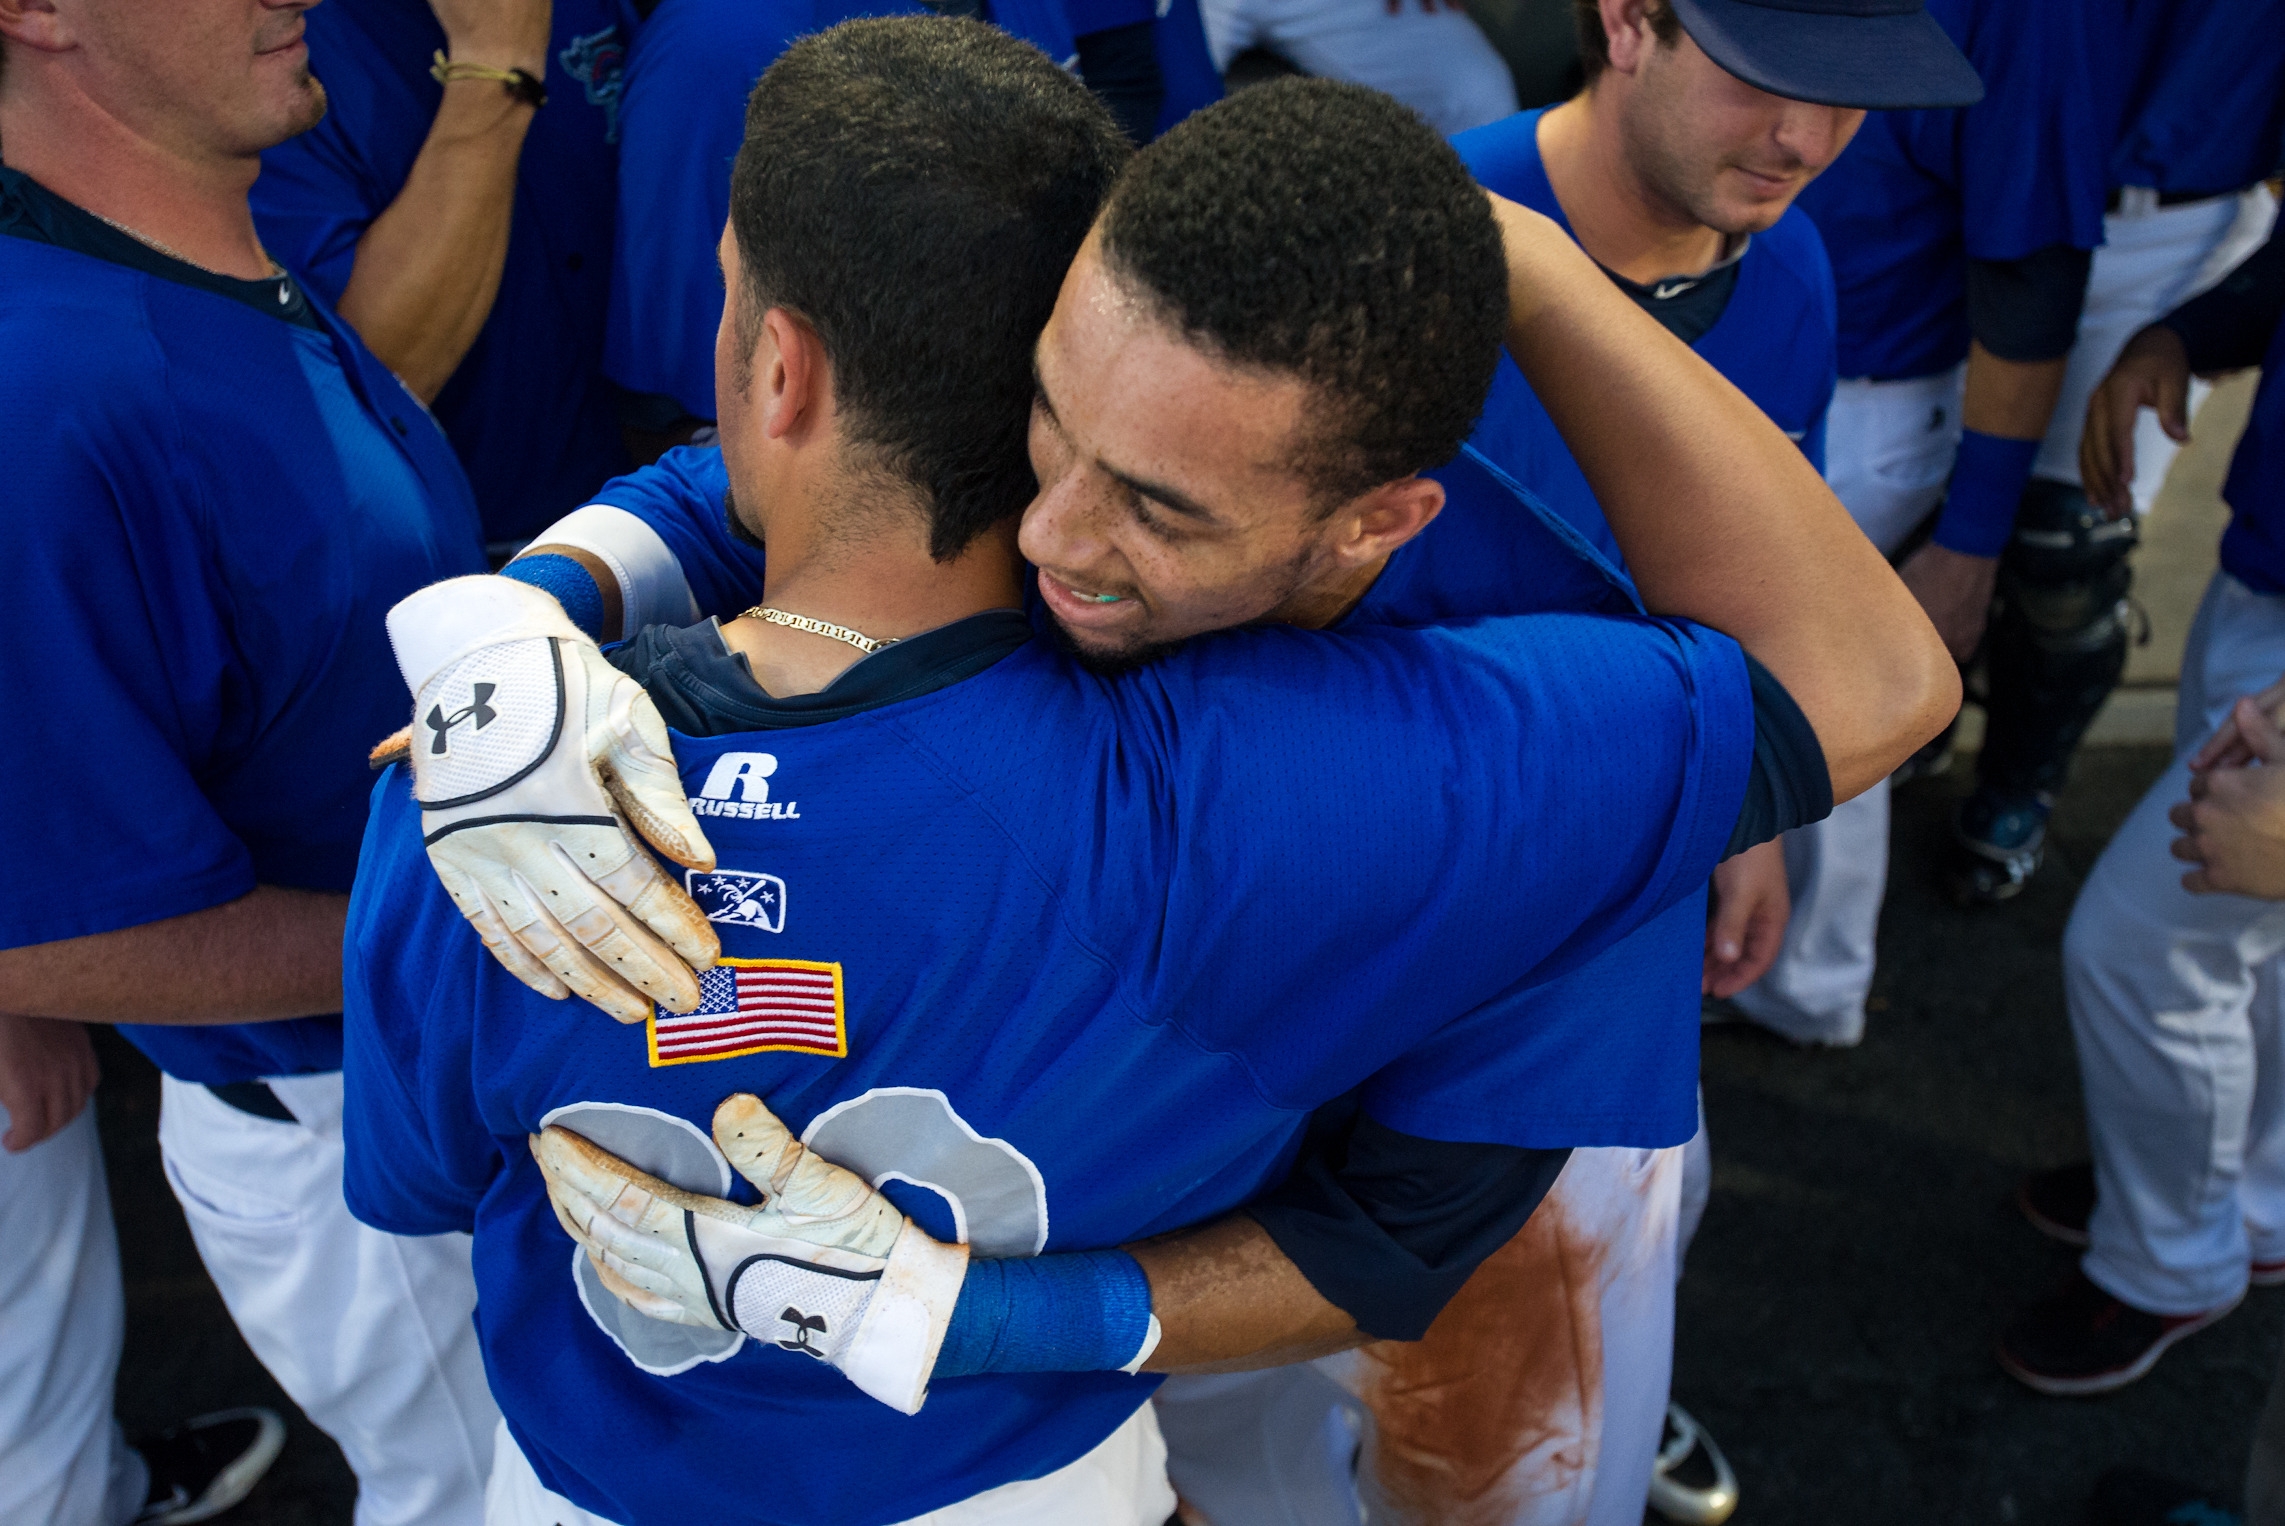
(748, 1006)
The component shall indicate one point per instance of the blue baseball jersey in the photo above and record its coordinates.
(688, 76)
(529, 411)
(1026, 939)
(1920, 193)
(215, 496)
(2205, 95)
(1495, 549)
(1774, 340)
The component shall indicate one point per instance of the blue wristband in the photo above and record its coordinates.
(1079, 1311)
(573, 586)
(1987, 483)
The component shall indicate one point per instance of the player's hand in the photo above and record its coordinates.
(2153, 371)
(2228, 746)
(822, 1265)
(530, 757)
(1955, 590)
(501, 34)
(2233, 824)
(47, 1073)
(1752, 904)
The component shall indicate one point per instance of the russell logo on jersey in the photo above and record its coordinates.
(738, 785)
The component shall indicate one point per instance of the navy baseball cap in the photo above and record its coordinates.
(1881, 55)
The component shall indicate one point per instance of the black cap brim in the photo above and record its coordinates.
(1877, 63)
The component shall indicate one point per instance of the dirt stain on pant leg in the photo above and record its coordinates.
(1501, 1403)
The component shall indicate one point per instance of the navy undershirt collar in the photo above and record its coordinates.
(1688, 305)
(30, 211)
(702, 688)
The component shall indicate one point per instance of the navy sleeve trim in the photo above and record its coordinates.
(2229, 327)
(2027, 309)
(1387, 1227)
(1789, 785)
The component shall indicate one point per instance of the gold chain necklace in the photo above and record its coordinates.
(860, 641)
(277, 271)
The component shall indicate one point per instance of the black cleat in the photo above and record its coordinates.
(2059, 1202)
(204, 1466)
(1691, 1481)
(1997, 846)
(2079, 1340)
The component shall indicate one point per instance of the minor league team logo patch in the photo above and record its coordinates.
(750, 1006)
(599, 61)
(736, 898)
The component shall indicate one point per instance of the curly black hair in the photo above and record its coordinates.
(1321, 229)
(916, 188)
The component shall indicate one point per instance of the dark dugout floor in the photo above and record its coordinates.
(1836, 1321)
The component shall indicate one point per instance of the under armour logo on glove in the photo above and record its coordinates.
(479, 708)
(802, 1325)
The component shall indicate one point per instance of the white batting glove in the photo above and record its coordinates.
(824, 1265)
(530, 757)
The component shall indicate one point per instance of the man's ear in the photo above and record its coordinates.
(1627, 26)
(34, 24)
(1374, 525)
(792, 375)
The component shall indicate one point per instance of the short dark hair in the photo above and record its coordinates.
(1595, 43)
(915, 189)
(1321, 229)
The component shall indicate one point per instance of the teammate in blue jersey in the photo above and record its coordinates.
(456, 205)
(1676, 169)
(687, 79)
(216, 492)
(794, 491)
(1959, 241)
(2183, 1205)
(2203, 116)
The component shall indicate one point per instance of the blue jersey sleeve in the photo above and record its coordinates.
(122, 658)
(684, 497)
(417, 1156)
(1434, 811)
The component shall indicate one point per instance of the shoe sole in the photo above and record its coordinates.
(2055, 1229)
(1679, 1502)
(2266, 1274)
(2111, 1382)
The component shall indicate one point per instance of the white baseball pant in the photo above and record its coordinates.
(2176, 1012)
(1120, 1483)
(2153, 259)
(1437, 62)
(62, 1459)
(1537, 1398)
(370, 1333)
(1889, 448)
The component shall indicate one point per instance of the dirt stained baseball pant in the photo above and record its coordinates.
(370, 1333)
(1536, 1399)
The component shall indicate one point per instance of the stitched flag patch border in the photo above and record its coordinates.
(756, 1006)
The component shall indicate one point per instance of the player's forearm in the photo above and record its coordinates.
(273, 953)
(2012, 399)
(1721, 517)
(1228, 1300)
(428, 268)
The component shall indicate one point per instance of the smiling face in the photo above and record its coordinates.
(208, 78)
(1169, 501)
(1731, 155)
